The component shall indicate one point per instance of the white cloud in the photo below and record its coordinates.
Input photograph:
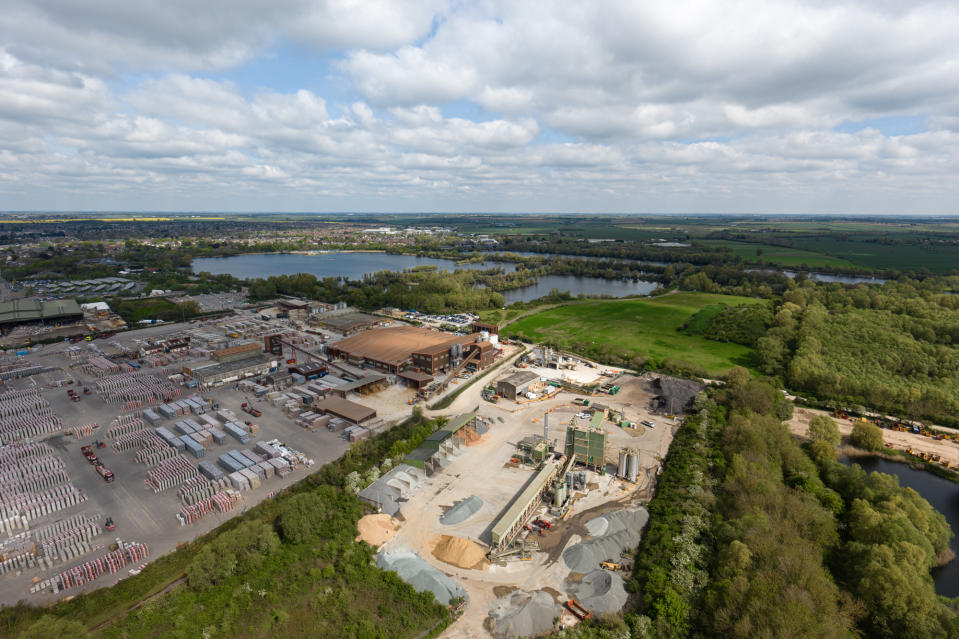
(611, 105)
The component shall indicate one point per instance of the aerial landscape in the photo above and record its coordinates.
(479, 320)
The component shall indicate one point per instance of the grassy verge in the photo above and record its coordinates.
(637, 332)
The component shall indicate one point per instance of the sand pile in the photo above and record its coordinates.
(376, 530)
(523, 614)
(412, 569)
(461, 511)
(599, 591)
(623, 531)
(459, 552)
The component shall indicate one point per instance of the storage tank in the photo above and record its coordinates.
(559, 493)
(494, 339)
(633, 465)
(623, 463)
(484, 336)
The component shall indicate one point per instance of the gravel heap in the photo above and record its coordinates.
(623, 531)
(523, 614)
(598, 526)
(412, 569)
(599, 591)
(461, 511)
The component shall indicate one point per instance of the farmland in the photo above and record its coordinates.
(782, 255)
(620, 331)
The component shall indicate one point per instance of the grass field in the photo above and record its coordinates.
(647, 328)
(781, 255)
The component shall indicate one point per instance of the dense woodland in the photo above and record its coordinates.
(753, 535)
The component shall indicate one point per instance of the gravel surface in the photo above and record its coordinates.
(461, 511)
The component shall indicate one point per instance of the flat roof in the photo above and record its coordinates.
(519, 377)
(416, 376)
(346, 409)
(225, 367)
(360, 383)
(505, 523)
(395, 345)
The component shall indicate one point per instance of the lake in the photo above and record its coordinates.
(354, 265)
(944, 497)
(351, 265)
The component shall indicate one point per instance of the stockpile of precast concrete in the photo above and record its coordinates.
(523, 614)
(412, 569)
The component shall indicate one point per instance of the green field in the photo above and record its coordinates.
(617, 331)
(782, 255)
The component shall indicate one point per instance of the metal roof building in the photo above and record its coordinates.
(33, 310)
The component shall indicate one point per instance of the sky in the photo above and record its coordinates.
(732, 106)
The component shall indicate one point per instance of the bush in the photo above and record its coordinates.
(866, 436)
(823, 429)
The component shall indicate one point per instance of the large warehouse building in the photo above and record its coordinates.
(33, 311)
(398, 348)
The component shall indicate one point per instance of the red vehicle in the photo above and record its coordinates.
(93, 459)
(249, 409)
(109, 525)
(542, 523)
(105, 472)
(71, 392)
(75, 397)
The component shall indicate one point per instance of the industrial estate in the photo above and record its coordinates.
(122, 447)
(410, 450)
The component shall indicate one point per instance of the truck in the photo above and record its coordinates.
(105, 472)
(252, 411)
(578, 610)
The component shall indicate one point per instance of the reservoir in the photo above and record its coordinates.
(354, 265)
(944, 497)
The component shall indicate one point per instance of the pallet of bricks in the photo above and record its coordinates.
(170, 473)
(112, 562)
(34, 484)
(25, 414)
(48, 545)
(219, 502)
(128, 432)
(134, 390)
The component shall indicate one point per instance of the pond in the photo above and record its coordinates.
(944, 497)
(354, 265)
(579, 285)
